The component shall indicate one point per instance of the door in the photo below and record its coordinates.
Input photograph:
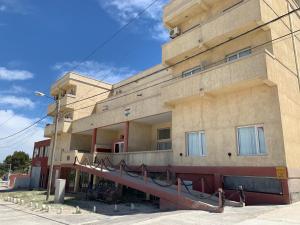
(119, 147)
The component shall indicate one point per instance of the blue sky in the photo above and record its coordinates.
(40, 40)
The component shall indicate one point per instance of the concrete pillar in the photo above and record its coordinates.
(126, 136)
(94, 141)
(147, 196)
(94, 181)
(60, 185)
(217, 181)
(76, 182)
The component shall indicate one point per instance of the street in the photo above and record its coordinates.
(12, 214)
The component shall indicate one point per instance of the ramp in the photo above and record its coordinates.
(176, 196)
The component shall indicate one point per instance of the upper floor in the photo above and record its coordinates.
(197, 25)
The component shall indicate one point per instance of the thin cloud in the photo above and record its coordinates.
(15, 6)
(10, 75)
(21, 142)
(99, 71)
(16, 102)
(124, 11)
(14, 89)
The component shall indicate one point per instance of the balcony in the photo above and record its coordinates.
(151, 158)
(178, 10)
(63, 127)
(65, 102)
(214, 31)
(248, 71)
(68, 157)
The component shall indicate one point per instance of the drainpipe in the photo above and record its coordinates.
(126, 135)
(94, 141)
(294, 44)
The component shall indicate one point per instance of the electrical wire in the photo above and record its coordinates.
(100, 46)
(197, 54)
(150, 74)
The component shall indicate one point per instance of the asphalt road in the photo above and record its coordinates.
(11, 214)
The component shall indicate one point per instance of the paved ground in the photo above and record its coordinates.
(254, 215)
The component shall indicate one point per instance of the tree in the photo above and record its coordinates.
(19, 161)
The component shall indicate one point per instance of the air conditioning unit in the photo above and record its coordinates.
(175, 32)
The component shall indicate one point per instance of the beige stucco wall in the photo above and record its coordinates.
(81, 142)
(219, 117)
(139, 137)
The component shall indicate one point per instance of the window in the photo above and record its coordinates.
(35, 152)
(239, 54)
(190, 72)
(164, 141)
(196, 143)
(251, 140)
(46, 151)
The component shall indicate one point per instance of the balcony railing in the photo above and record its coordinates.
(62, 127)
(68, 157)
(151, 158)
(215, 30)
(177, 10)
(248, 70)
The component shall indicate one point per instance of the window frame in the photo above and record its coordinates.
(237, 54)
(204, 150)
(159, 141)
(192, 71)
(255, 126)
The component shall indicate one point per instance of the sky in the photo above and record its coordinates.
(41, 40)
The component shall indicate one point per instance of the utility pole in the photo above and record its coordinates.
(53, 148)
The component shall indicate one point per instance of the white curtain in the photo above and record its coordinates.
(196, 144)
(193, 144)
(247, 141)
(261, 140)
(203, 143)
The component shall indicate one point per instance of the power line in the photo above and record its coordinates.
(218, 45)
(110, 38)
(197, 54)
(20, 131)
(7, 120)
(178, 76)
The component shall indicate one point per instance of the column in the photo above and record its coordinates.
(94, 141)
(126, 135)
(76, 182)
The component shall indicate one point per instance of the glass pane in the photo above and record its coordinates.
(231, 58)
(203, 144)
(245, 53)
(193, 144)
(164, 134)
(261, 140)
(164, 145)
(247, 141)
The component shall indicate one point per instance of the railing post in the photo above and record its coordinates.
(145, 176)
(168, 175)
(221, 198)
(178, 186)
(121, 169)
(102, 165)
(202, 185)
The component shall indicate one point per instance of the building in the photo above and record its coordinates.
(223, 105)
(39, 165)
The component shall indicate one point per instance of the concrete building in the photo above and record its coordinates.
(223, 105)
(39, 164)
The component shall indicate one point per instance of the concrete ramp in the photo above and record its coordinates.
(171, 196)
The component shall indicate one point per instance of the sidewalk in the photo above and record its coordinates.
(11, 214)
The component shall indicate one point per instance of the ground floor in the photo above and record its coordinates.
(145, 215)
(260, 185)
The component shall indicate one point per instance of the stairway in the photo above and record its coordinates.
(171, 197)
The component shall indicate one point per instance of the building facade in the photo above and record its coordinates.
(223, 105)
(39, 164)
